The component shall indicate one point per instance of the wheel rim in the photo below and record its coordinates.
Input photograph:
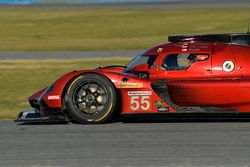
(90, 98)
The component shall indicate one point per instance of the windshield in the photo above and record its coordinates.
(141, 59)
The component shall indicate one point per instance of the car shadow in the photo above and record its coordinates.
(185, 118)
(43, 123)
(165, 118)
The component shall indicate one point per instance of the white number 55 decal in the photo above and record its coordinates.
(140, 103)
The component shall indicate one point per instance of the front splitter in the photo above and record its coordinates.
(33, 116)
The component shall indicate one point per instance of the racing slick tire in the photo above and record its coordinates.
(91, 99)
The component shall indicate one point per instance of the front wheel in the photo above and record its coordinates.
(91, 98)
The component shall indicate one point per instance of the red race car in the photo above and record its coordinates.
(190, 74)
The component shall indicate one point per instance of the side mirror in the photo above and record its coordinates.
(201, 57)
(141, 68)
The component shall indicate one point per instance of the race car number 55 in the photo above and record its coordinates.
(140, 100)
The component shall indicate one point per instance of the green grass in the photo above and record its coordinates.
(22, 78)
(107, 29)
(97, 29)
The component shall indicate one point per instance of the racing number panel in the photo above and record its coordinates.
(143, 101)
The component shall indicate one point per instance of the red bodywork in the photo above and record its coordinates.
(203, 84)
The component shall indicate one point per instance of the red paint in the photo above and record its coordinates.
(204, 83)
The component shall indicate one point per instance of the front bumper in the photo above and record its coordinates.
(34, 116)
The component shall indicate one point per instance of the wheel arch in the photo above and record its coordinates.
(72, 79)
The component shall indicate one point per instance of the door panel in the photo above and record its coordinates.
(223, 56)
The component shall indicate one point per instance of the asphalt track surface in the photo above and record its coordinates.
(125, 144)
(140, 144)
(143, 5)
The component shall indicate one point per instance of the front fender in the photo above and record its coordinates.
(54, 98)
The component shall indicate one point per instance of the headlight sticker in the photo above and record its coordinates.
(53, 97)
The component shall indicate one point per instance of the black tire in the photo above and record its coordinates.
(91, 99)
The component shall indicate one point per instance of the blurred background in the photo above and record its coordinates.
(41, 40)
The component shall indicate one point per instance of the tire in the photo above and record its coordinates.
(91, 99)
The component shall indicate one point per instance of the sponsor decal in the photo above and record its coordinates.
(139, 93)
(159, 50)
(24, 115)
(158, 104)
(131, 85)
(53, 97)
(228, 66)
(184, 48)
(164, 109)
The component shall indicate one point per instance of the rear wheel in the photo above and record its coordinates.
(91, 98)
